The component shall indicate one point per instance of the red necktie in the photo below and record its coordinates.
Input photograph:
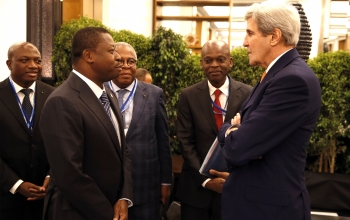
(263, 76)
(217, 112)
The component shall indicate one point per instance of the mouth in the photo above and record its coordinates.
(32, 73)
(215, 72)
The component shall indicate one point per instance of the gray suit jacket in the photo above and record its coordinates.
(148, 142)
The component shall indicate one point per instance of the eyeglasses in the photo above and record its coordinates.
(130, 62)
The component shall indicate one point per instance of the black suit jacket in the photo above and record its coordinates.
(196, 131)
(90, 171)
(22, 153)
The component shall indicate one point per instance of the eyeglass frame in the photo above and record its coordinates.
(121, 62)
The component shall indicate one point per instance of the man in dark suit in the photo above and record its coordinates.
(23, 163)
(266, 145)
(82, 130)
(146, 130)
(197, 128)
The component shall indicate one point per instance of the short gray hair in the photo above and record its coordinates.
(271, 14)
(124, 44)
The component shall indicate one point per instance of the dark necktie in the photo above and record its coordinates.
(106, 105)
(217, 112)
(26, 105)
(121, 94)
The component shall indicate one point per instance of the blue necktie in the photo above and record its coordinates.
(106, 105)
(121, 93)
(26, 105)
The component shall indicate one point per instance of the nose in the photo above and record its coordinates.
(245, 41)
(32, 64)
(214, 63)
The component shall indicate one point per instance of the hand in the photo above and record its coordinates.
(215, 184)
(31, 191)
(236, 120)
(120, 210)
(41, 192)
(165, 193)
(223, 175)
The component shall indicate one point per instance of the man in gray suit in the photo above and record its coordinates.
(83, 133)
(146, 130)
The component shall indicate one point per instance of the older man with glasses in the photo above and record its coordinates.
(146, 129)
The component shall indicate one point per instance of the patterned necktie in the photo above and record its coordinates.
(263, 76)
(26, 105)
(106, 105)
(217, 112)
(121, 93)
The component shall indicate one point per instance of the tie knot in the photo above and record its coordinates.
(104, 97)
(121, 92)
(26, 91)
(217, 93)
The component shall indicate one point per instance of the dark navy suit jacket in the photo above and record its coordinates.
(268, 151)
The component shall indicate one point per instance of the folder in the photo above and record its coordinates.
(213, 160)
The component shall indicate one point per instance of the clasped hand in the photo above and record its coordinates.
(32, 191)
(217, 183)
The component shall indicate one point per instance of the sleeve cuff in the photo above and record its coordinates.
(205, 182)
(129, 202)
(13, 190)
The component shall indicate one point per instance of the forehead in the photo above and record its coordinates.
(106, 40)
(215, 50)
(26, 50)
(125, 51)
(251, 25)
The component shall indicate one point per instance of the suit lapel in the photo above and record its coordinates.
(9, 100)
(139, 102)
(93, 103)
(275, 69)
(204, 101)
(40, 97)
(233, 98)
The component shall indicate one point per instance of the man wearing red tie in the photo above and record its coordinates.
(202, 109)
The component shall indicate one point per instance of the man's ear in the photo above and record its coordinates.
(88, 56)
(8, 63)
(276, 36)
(201, 63)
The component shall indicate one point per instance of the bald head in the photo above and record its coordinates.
(219, 44)
(216, 62)
(24, 63)
(19, 45)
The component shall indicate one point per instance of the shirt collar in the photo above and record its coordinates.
(275, 60)
(116, 88)
(223, 88)
(95, 88)
(18, 88)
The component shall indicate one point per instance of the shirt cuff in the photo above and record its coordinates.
(205, 182)
(13, 190)
(129, 202)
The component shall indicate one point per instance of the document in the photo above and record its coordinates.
(214, 160)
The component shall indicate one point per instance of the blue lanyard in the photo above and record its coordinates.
(223, 111)
(29, 120)
(127, 103)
